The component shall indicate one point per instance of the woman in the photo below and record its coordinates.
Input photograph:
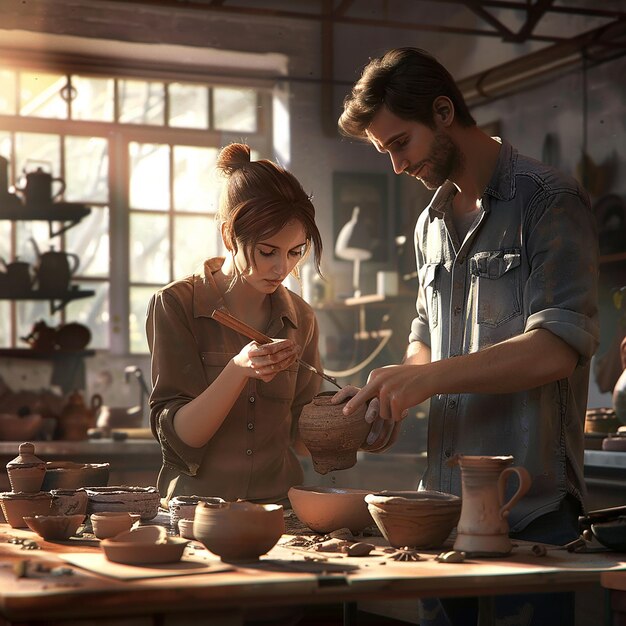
(224, 409)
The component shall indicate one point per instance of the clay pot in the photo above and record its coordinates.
(184, 507)
(54, 527)
(69, 502)
(70, 475)
(415, 519)
(121, 550)
(109, 524)
(17, 505)
(332, 438)
(142, 500)
(14, 427)
(77, 418)
(185, 528)
(324, 509)
(26, 471)
(238, 531)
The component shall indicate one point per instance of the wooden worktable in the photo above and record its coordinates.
(282, 578)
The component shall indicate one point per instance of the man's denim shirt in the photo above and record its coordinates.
(530, 260)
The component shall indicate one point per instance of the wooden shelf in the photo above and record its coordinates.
(57, 301)
(68, 213)
(29, 353)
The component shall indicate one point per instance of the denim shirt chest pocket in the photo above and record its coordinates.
(428, 278)
(496, 285)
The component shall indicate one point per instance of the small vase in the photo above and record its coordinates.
(26, 471)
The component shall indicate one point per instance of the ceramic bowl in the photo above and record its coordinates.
(68, 501)
(331, 437)
(414, 519)
(325, 509)
(110, 523)
(54, 527)
(185, 528)
(142, 500)
(611, 534)
(184, 507)
(239, 531)
(143, 553)
(143, 534)
(70, 475)
(17, 505)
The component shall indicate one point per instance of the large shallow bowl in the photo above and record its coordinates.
(611, 534)
(139, 553)
(325, 509)
(54, 527)
(142, 500)
(70, 475)
(415, 519)
(238, 531)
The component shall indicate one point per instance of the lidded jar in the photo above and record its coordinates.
(26, 471)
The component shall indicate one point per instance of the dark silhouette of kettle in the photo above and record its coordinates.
(37, 190)
(17, 279)
(54, 270)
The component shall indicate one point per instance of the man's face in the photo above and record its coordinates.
(429, 155)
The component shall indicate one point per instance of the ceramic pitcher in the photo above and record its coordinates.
(483, 529)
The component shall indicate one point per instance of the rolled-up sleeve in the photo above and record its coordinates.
(561, 291)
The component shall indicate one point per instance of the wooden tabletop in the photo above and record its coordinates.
(287, 576)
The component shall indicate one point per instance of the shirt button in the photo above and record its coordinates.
(250, 426)
(461, 261)
(249, 452)
(452, 404)
(251, 399)
(457, 310)
(447, 453)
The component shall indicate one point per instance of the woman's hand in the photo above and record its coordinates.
(264, 361)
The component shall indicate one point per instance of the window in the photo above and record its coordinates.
(140, 153)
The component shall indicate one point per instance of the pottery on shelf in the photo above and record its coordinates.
(14, 427)
(239, 531)
(68, 502)
(77, 418)
(17, 505)
(331, 437)
(414, 519)
(483, 529)
(324, 509)
(26, 471)
(142, 500)
(54, 527)
(70, 475)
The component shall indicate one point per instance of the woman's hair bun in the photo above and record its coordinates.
(233, 157)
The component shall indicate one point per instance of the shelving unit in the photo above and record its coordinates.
(57, 301)
(29, 353)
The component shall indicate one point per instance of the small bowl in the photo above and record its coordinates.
(111, 523)
(185, 528)
(140, 553)
(324, 509)
(55, 527)
(415, 519)
(184, 507)
(239, 531)
(70, 475)
(142, 500)
(611, 534)
(17, 505)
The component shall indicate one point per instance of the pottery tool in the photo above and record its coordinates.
(251, 333)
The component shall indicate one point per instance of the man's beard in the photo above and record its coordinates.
(442, 163)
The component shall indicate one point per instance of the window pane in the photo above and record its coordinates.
(195, 239)
(5, 241)
(149, 249)
(189, 106)
(40, 95)
(139, 300)
(141, 102)
(5, 151)
(93, 312)
(89, 239)
(7, 92)
(196, 182)
(93, 99)
(235, 109)
(149, 176)
(5, 324)
(25, 249)
(35, 150)
(86, 169)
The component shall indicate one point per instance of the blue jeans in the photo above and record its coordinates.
(534, 609)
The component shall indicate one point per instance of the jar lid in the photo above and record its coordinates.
(26, 457)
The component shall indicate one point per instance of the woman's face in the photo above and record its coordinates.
(273, 258)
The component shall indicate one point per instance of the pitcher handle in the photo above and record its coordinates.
(524, 485)
(75, 261)
(61, 190)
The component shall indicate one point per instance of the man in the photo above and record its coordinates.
(507, 304)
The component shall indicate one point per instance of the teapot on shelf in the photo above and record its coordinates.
(54, 270)
(37, 189)
(77, 417)
(16, 280)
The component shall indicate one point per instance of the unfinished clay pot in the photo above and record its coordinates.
(68, 502)
(142, 500)
(111, 523)
(120, 550)
(184, 507)
(26, 471)
(415, 519)
(331, 437)
(239, 531)
(54, 527)
(17, 505)
(70, 475)
(324, 509)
